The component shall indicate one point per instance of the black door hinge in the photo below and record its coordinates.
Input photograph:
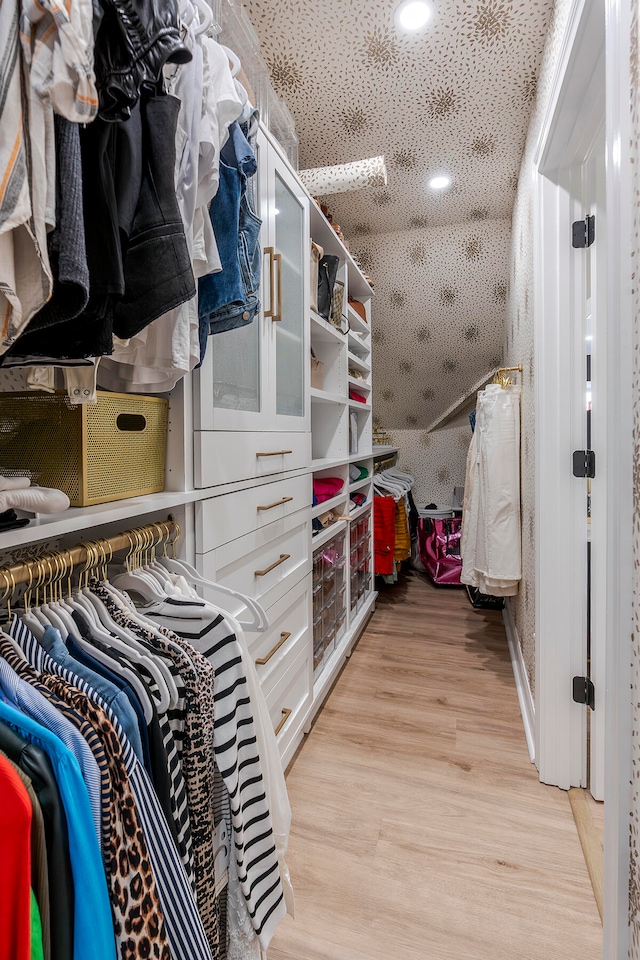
(584, 691)
(584, 463)
(583, 232)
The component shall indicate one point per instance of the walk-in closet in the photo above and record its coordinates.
(318, 479)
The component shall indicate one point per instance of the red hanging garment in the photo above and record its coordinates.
(384, 534)
(15, 865)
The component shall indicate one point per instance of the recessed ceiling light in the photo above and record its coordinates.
(413, 14)
(441, 182)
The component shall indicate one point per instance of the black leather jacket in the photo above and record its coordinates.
(135, 39)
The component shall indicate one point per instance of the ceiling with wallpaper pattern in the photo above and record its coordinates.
(455, 98)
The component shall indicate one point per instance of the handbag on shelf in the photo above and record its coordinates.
(316, 255)
(327, 273)
(439, 541)
(337, 305)
(359, 308)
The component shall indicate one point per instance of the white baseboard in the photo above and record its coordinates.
(525, 697)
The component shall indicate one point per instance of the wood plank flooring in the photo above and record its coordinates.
(420, 830)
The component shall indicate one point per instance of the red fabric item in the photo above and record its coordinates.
(15, 866)
(326, 487)
(384, 534)
(354, 395)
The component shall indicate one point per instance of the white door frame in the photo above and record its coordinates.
(620, 200)
(574, 117)
(560, 727)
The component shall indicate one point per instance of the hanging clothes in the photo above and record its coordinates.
(15, 856)
(384, 534)
(491, 527)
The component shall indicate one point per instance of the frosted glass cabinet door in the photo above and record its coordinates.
(232, 381)
(290, 236)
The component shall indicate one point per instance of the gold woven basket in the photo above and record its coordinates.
(97, 452)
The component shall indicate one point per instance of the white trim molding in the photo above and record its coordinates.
(523, 687)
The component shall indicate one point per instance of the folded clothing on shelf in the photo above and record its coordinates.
(324, 488)
(357, 472)
(354, 395)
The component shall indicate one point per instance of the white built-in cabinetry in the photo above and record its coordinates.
(246, 436)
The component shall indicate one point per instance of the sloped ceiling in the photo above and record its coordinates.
(457, 99)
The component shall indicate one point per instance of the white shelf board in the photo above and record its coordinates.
(321, 538)
(321, 396)
(356, 405)
(333, 665)
(358, 363)
(383, 449)
(325, 463)
(357, 457)
(329, 504)
(355, 514)
(75, 519)
(359, 484)
(324, 331)
(356, 322)
(359, 348)
(359, 384)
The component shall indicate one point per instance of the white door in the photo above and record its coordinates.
(590, 321)
(287, 311)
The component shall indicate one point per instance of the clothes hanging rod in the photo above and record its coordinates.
(85, 555)
(500, 370)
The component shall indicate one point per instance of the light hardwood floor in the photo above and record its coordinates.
(420, 830)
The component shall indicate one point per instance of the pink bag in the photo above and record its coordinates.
(439, 542)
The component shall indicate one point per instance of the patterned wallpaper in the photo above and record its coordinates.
(519, 346)
(437, 460)
(438, 315)
(455, 97)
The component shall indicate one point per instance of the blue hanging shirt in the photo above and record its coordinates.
(93, 933)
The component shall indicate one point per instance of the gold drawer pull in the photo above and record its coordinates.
(278, 315)
(278, 503)
(286, 713)
(274, 453)
(270, 251)
(284, 636)
(276, 563)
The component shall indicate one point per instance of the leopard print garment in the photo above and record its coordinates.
(197, 755)
(137, 915)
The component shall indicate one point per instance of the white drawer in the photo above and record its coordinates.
(265, 563)
(224, 518)
(290, 699)
(225, 457)
(274, 650)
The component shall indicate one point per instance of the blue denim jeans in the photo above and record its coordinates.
(229, 299)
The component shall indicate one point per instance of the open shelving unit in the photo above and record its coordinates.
(341, 435)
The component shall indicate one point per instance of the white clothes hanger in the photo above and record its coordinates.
(206, 17)
(33, 624)
(145, 586)
(234, 59)
(126, 643)
(260, 621)
(85, 608)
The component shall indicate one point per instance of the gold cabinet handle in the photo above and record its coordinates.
(278, 315)
(284, 636)
(272, 279)
(276, 563)
(274, 453)
(286, 713)
(277, 503)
